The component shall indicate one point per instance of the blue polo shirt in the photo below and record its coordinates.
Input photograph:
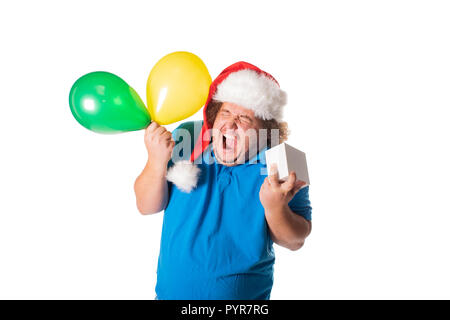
(215, 242)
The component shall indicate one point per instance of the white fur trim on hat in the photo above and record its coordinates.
(184, 174)
(254, 91)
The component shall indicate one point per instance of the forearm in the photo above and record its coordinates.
(151, 189)
(287, 228)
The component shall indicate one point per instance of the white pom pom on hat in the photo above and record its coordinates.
(184, 174)
(243, 84)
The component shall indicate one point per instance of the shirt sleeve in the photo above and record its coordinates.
(300, 203)
(169, 183)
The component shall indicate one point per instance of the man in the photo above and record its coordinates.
(222, 214)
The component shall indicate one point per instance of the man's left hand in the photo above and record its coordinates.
(274, 193)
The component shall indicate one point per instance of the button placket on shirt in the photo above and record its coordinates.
(224, 178)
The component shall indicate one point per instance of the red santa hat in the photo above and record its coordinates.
(245, 85)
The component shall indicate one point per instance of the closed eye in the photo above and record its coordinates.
(246, 119)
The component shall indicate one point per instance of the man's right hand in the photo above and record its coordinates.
(159, 144)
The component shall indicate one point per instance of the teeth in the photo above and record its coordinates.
(229, 136)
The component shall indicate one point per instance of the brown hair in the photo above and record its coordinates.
(272, 124)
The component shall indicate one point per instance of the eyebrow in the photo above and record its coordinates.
(241, 115)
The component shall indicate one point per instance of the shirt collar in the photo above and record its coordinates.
(259, 158)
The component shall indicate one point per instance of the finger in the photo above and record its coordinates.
(152, 127)
(169, 134)
(273, 176)
(298, 185)
(166, 136)
(265, 184)
(159, 131)
(288, 185)
(170, 144)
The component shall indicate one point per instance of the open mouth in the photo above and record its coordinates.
(229, 142)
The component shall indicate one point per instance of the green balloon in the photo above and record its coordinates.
(104, 103)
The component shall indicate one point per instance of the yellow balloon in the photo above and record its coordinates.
(177, 87)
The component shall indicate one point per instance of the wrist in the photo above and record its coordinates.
(156, 169)
(277, 208)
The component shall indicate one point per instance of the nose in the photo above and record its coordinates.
(231, 123)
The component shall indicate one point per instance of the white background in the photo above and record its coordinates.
(368, 85)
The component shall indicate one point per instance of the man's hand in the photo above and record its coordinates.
(159, 144)
(151, 186)
(273, 194)
(286, 228)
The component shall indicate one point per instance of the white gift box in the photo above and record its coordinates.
(287, 158)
